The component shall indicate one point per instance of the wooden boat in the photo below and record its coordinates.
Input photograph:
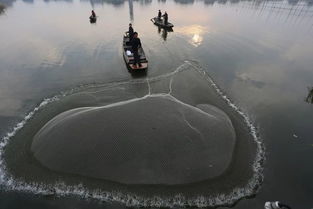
(92, 19)
(160, 22)
(129, 57)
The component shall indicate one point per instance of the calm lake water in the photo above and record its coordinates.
(260, 53)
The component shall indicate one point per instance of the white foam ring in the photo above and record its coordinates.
(61, 189)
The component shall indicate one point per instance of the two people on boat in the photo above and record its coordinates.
(93, 17)
(135, 44)
(165, 17)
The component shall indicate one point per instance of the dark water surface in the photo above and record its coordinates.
(258, 52)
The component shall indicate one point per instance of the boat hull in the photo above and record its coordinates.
(160, 23)
(129, 57)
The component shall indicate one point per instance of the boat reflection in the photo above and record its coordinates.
(164, 32)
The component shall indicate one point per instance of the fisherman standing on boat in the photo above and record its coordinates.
(130, 32)
(159, 15)
(136, 44)
(93, 17)
(165, 18)
(93, 14)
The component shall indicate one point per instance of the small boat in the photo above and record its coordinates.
(92, 19)
(160, 22)
(129, 57)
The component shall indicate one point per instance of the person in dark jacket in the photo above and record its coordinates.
(165, 18)
(130, 32)
(136, 44)
(93, 14)
(159, 15)
(93, 17)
